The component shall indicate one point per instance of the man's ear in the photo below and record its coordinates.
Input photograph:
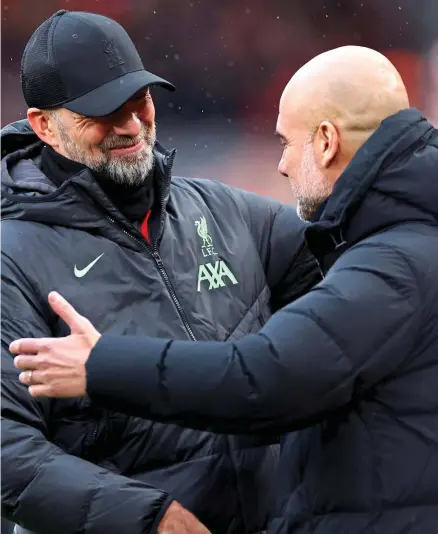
(328, 141)
(43, 125)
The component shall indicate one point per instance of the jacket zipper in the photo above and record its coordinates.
(156, 256)
(178, 306)
(161, 269)
(159, 262)
(104, 420)
(163, 273)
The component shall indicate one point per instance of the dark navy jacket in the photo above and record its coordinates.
(221, 260)
(351, 367)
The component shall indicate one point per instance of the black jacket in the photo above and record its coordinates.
(221, 261)
(352, 366)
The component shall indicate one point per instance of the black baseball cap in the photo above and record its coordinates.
(83, 62)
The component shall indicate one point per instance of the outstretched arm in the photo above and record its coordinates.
(350, 332)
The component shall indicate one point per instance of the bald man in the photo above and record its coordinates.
(353, 365)
(327, 111)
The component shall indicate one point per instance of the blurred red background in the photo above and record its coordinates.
(230, 61)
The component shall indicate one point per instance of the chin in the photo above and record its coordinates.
(307, 212)
(304, 216)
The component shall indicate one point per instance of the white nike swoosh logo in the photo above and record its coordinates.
(79, 273)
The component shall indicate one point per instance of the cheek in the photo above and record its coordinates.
(92, 137)
(146, 112)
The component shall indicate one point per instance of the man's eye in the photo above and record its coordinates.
(141, 96)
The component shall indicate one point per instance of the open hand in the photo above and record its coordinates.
(55, 367)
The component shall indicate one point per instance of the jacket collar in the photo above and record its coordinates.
(27, 194)
(389, 181)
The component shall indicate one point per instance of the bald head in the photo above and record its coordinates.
(355, 87)
(334, 103)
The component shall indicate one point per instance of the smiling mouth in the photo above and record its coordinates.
(127, 150)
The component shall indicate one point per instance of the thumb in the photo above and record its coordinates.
(76, 322)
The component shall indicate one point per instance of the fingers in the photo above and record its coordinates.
(47, 355)
(83, 332)
(47, 376)
(65, 388)
(40, 391)
(31, 363)
(29, 345)
(55, 382)
(56, 389)
(66, 312)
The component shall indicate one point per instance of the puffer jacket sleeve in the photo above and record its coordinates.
(44, 489)
(350, 332)
(291, 270)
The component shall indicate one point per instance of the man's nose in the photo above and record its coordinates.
(282, 168)
(127, 124)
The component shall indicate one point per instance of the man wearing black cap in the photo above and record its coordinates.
(89, 208)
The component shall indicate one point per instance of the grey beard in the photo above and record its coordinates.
(307, 208)
(125, 172)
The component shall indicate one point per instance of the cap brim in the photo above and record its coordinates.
(109, 97)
